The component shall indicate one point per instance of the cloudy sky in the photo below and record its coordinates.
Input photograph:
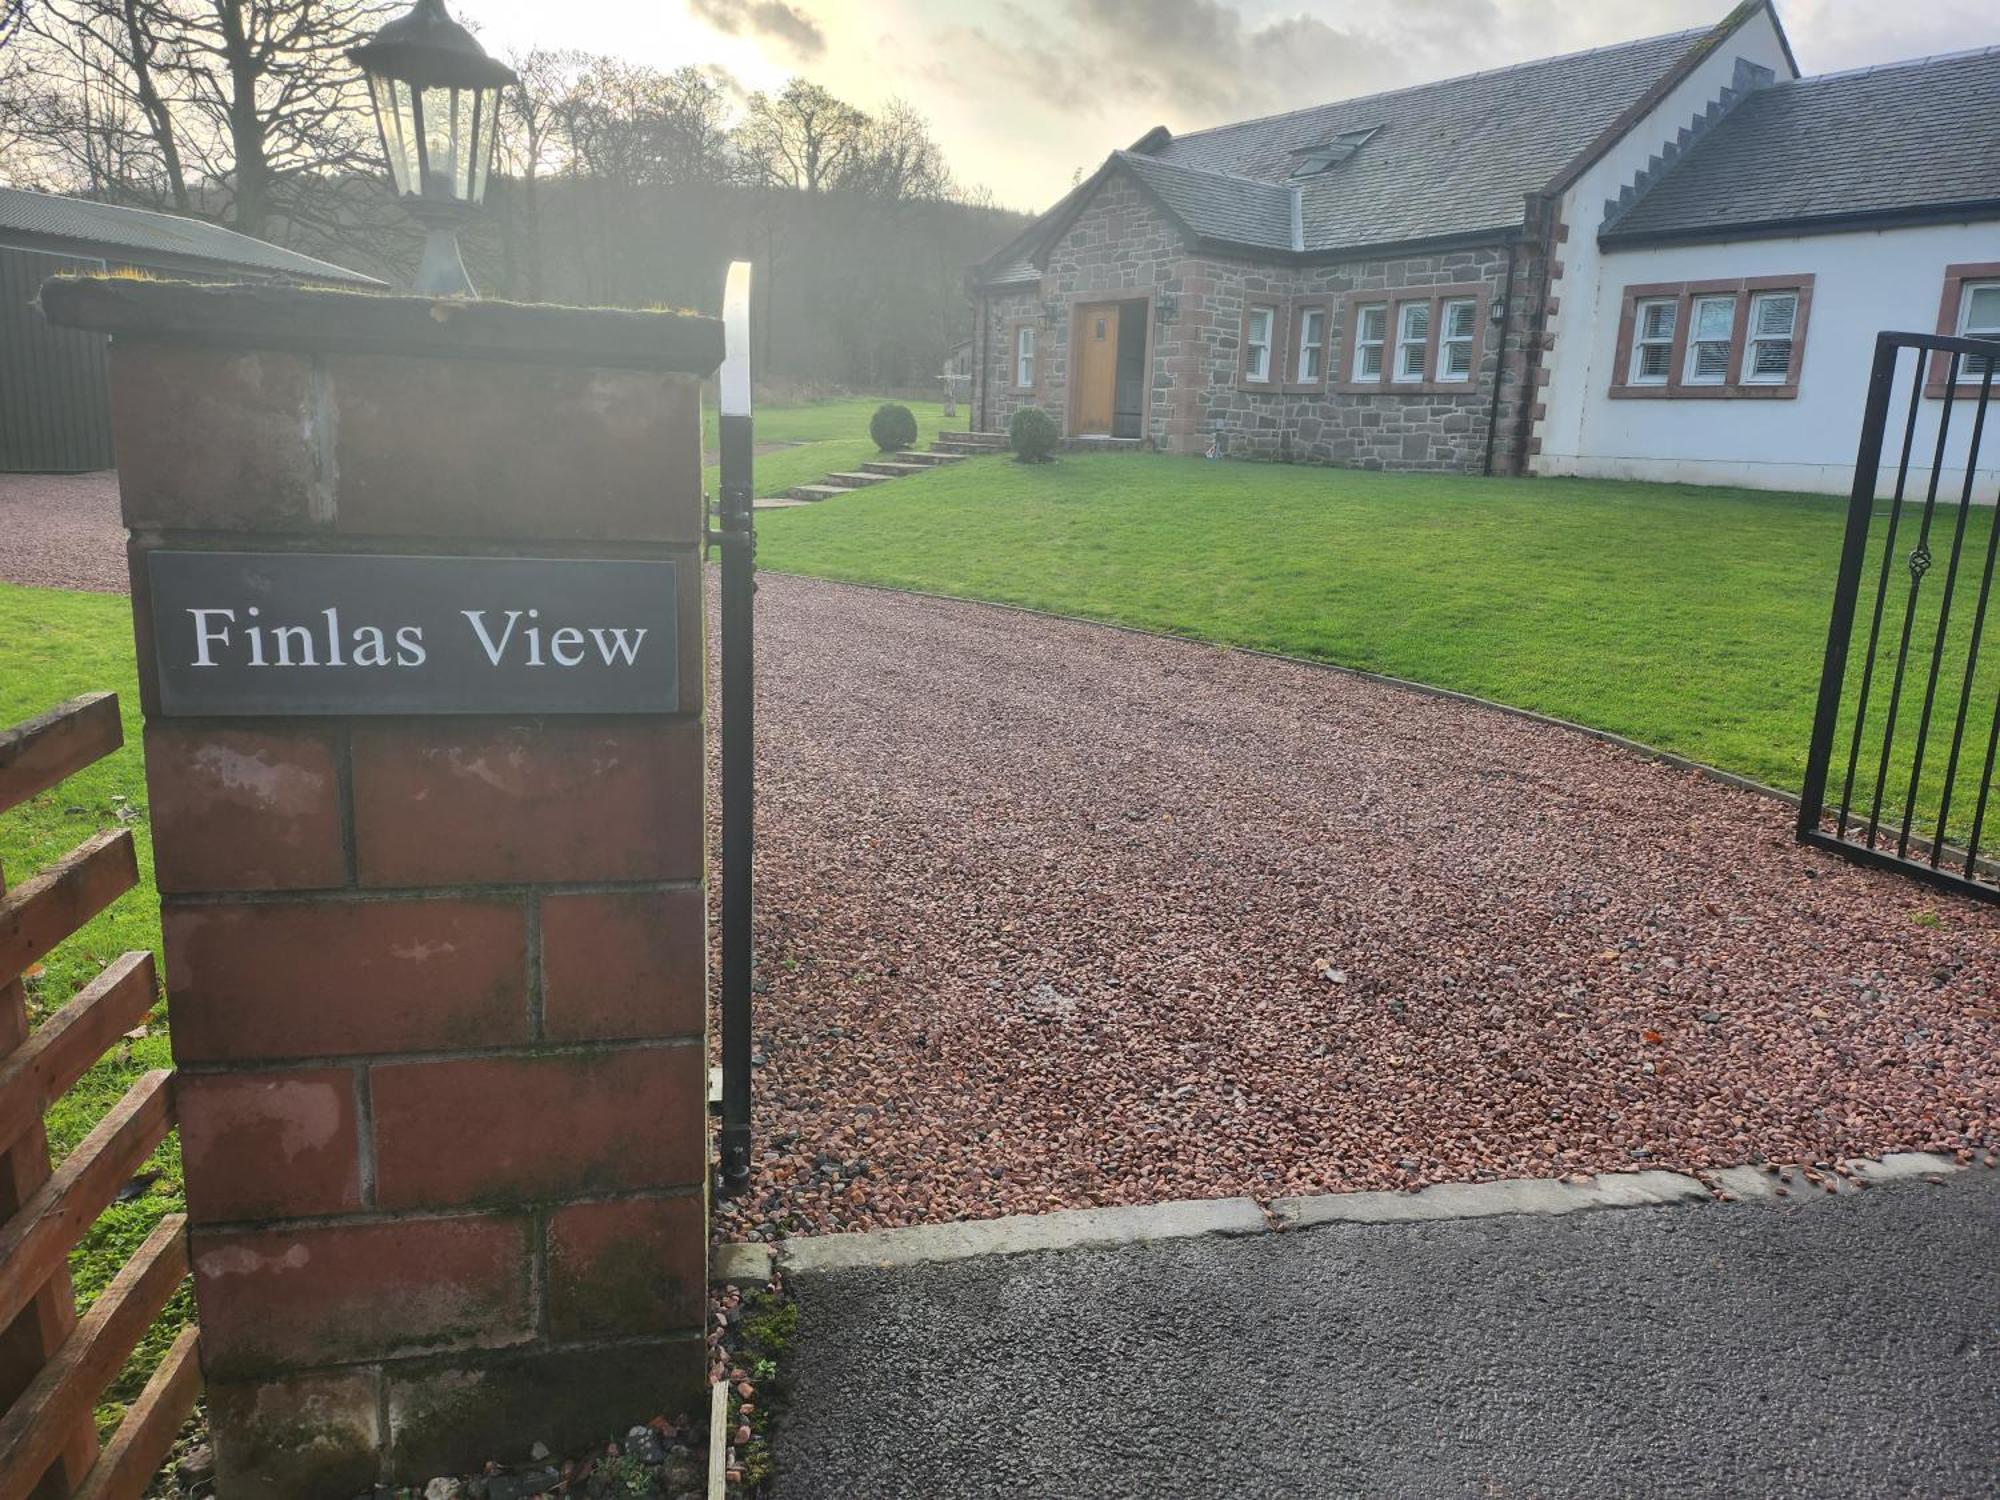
(1024, 92)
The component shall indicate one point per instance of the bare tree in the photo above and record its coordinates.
(804, 137)
(116, 50)
(285, 111)
(532, 144)
(245, 111)
(894, 159)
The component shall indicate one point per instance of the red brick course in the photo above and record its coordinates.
(269, 1145)
(439, 804)
(629, 1266)
(243, 809)
(492, 1130)
(622, 964)
(329, 1294)
(252, 981)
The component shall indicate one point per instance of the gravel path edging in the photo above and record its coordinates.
(1099, 1228)
(1428, 690)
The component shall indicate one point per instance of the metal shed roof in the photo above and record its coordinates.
(77, 226)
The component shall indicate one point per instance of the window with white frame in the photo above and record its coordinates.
(1024, 356)
(1774, 319)
(1371, 337)
(1455, 338)
(1711, 324)
(1257, 344)
(1653, 340)
(1413, 337)
(1312, 346)
(1979, 318)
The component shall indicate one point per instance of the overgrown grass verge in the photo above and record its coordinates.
(58, 645)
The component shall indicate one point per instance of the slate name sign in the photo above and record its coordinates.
(304, 633)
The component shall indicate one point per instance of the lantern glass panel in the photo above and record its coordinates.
(443, 159)
(395, 113)
(484, 139)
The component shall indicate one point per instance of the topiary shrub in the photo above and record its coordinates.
(893, 428)
(1033, 435)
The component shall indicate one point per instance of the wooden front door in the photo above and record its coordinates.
(1096, 365)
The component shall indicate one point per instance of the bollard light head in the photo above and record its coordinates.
(436, 96)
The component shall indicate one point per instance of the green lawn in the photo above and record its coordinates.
(831, 436)
(59, 645)
(1692, 619)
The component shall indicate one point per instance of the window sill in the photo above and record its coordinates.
(1968, 390)
(1788, 392)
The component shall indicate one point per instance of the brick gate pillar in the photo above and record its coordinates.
(436, 982)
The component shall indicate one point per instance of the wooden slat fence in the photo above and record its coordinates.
(54, 1365)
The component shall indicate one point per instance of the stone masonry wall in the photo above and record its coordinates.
(1001, 312)
(1122, 246)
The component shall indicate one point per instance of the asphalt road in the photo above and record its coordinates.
(1842, 1347)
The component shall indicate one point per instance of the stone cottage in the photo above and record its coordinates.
(1524, 270)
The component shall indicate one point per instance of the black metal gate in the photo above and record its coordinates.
(1901, 768)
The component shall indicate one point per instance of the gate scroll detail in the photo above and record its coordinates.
(1900, 771)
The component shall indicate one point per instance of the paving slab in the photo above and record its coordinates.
(1832, 1346)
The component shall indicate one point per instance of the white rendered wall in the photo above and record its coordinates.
(1865, 283)
(1574, 325)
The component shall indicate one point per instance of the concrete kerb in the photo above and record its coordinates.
(1097, 1228)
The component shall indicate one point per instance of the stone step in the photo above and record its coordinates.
(892, 469)
(1091, 442)
(959, 450)
(855, 481)
(994, 440)
(815, 491)
(778, 502)
(929, 460)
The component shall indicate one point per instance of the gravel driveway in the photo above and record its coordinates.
(1057, 916)
(62, 531)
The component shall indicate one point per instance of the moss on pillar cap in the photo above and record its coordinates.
(325, 319)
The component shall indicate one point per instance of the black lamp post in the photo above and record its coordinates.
(437, 98)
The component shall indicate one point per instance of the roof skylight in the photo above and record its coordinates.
(1327, 155)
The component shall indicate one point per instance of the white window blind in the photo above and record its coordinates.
(1711, 322)
(1413, 331)
(1312, 345)
(1979, 318)
(1371, 334)
(1456, 340)
(1257, 351)
(1653, 341)
(1774, 318)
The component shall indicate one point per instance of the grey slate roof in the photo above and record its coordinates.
(26, 218)
(1219, 205)
(1910, 138)
(1451, 159)
(1456, 157)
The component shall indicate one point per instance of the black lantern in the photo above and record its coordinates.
(436, 95)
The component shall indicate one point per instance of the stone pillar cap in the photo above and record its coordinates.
(314, 319)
